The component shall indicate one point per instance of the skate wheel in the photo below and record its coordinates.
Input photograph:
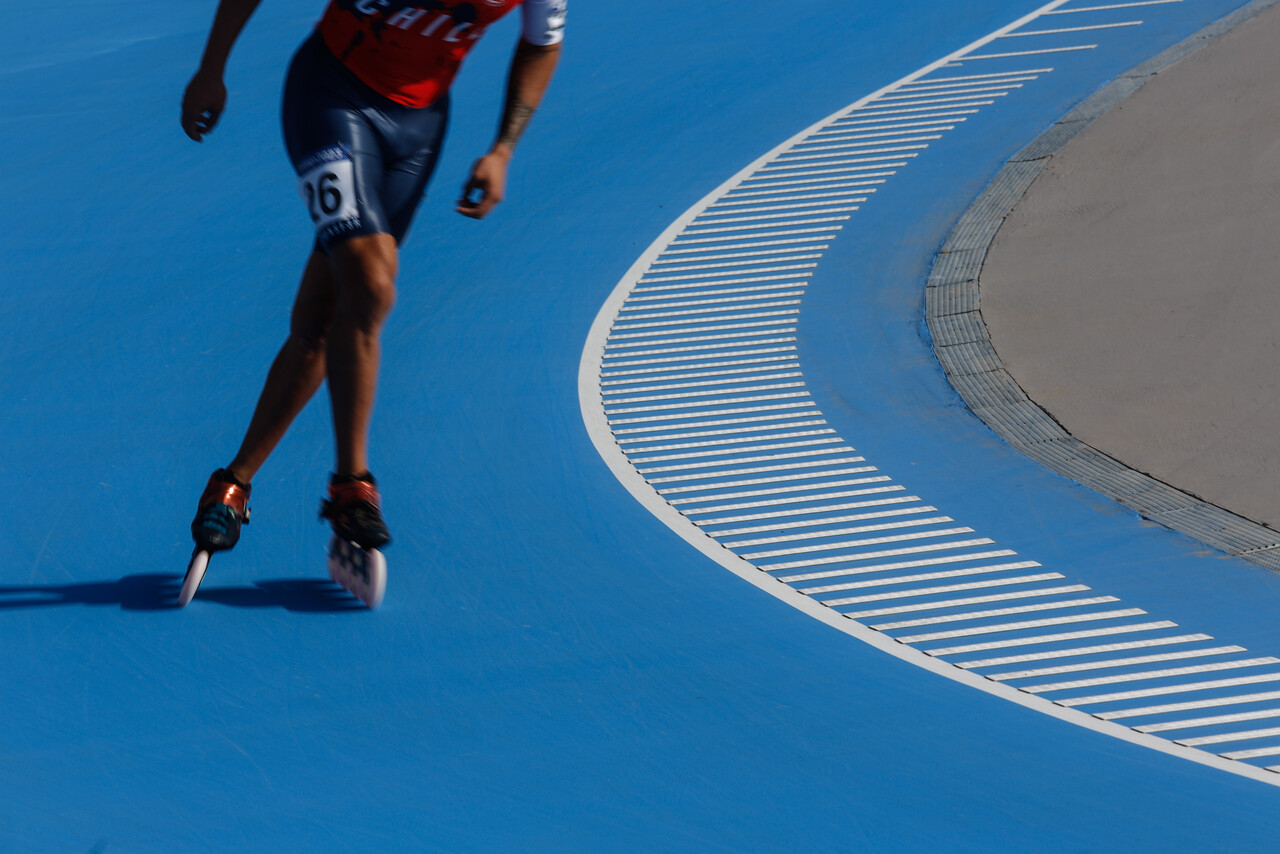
(195, 574)
(363, 572)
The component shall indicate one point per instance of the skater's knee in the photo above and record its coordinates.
(370, 298)
(366, 268)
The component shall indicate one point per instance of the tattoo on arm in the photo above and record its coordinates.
(515, 119)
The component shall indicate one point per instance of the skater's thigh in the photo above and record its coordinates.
(330, 131)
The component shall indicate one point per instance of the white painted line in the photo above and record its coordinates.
(934, 547)
(734, 259)
(693, 318)
(679, 366)
(1033, 72)
(780, 373)
(732, 451)
(1214, 720)
(800, 160)
(790, 465)
(714, 323)
(847, 148)
(1023, 625)
(737, 201)
(834, 520)
(1088, 650)
(924, 576)
(663, 399)
(703, 433)
(768, 238)
(784, 178)
(779, 490)
(1029, 52)
(788, 170)
(758, 284)
(1147, 674)
(691, 352)
(872, 139)
(702, 336)
(721, 452)
(716, 423)
(888, 106)
(727, 401)
(719, 443)
(1217, 702)
(686, 467)
(995, 612)
(833, 182)
(939, 85)
(835, 206)
(803, 511)
(1168, 689)
(1071, 29)
(787, 224)
(691, 370)
(784, 268)
(838, 532)
(871, 541)
(960, 94)
(905, 579)
(796, 499)
(937, 604)
(786, 253)
(924, 125)
(1111, 6)
(1225, 738)
(1252, 754)
(846, 125)
(774, 479)
(732, 294)
(664, 305)
(1064, 636)
(1090, 666)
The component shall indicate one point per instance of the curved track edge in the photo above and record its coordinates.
(599, 426)
(963, 345)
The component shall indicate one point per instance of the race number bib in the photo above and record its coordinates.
(327, 186)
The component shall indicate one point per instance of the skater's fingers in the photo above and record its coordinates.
(484, 189)
(202, 104)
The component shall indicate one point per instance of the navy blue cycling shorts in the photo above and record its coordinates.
(363, 161)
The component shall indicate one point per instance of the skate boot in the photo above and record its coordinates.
(354, 511)
(223, 508)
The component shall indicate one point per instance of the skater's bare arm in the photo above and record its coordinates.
(531, 71)
(206, 95)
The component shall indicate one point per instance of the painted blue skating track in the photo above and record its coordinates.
(554, 669)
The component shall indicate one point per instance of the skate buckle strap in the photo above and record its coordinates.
(352, 491)
(230, 494)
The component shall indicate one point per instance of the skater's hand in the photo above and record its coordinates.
(489, 180)
(202, 103)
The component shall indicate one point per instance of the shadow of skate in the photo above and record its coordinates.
(311, 595)
(132, 593)
(156, 592)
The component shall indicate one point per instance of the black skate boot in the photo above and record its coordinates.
(223, 508)
(354, 511)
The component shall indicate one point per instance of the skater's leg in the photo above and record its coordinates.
(297, 371)
(364, 271)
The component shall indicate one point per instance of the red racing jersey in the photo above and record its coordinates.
(410, 50)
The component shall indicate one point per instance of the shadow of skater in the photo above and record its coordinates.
(155, 592)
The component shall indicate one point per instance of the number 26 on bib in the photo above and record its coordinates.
(328, 189)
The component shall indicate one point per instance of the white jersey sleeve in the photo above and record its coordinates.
(543, 21)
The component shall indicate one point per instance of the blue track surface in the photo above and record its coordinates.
(553, 670)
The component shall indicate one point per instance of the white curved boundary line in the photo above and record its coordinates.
(591, 404)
